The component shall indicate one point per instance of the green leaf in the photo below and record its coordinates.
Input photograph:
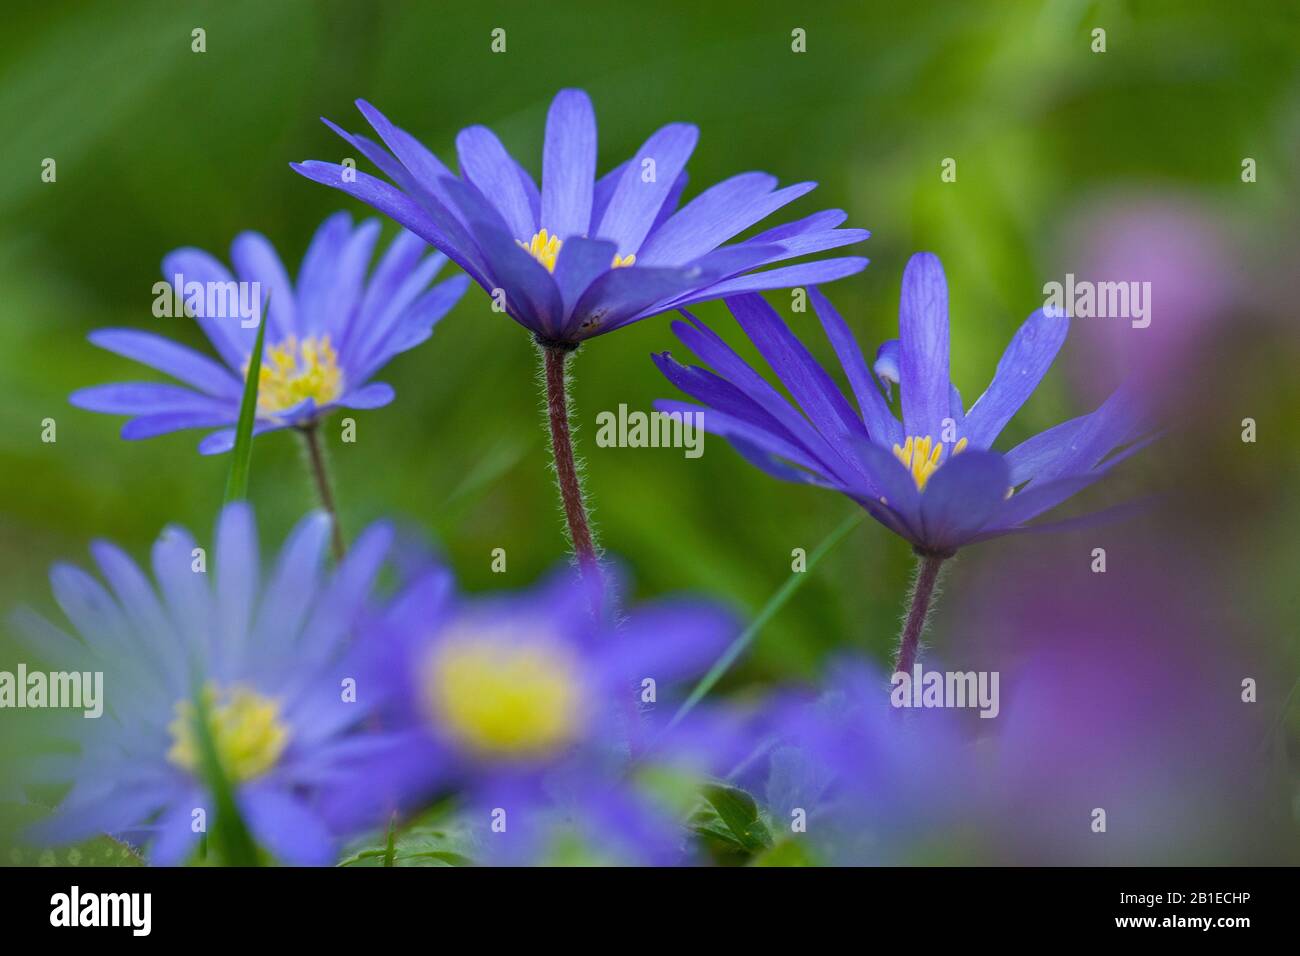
(99, 851)
(789, 852)
(432, 839)
(739, 813)
(241, 462)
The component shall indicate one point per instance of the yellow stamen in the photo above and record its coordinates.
(293, 372)
(246, 731)
(545, 248)
(922, 456)
(503, 696)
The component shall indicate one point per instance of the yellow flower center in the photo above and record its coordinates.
(545, 248)
(922, 457)
(246, 731)
(503, 696)
(293, 372)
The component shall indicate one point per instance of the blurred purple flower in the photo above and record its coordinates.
(525, 706)
(328, 334)
(1123, 691)
(271, 654)
(1179, 247)
(868, 784)
(933, 478)
(583, 255)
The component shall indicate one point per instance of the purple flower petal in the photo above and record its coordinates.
(377, 320)
(178, 361)
(962, 496)
(286, 827)
(45, 641)
(604, 190)
(392, 202)
(714, 216)
(729, 426)
(568, 166)
(109, 813)
(531, 297)
(415, 325)
(186, 595)
(668, 640)
(175, 839)
(226, 333)
(823, 221)
(635, 202)
(787, 277)
(881, 424)
(291, 588)
(321, 274)
(923, 359)
(148, 623)
(145, 398)
(423, 167)
(90, 608)
(1119, 419)
(1089, 520)
(488, 166)
(622, 296)
(151, 426)
(255, 260)
(343, 598)
(724, 397)
(705, 343)
(389, 289)
(893, 486)
(373, 395)
(237, 572)
(671, 200)
(808, 243)
(221, 441)
(581, 261)
(1022, 366)
(814, 390)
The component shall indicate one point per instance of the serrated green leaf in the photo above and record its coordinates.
(100, 851)
(432, 839)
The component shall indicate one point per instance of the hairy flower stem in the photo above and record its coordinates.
(927, 576)
(566, 470)
(316, 457)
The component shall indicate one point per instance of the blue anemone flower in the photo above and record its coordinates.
(932, 478)
(869, 783)
(582, 255)
(328, 334)
(272, 656)
(539, 716)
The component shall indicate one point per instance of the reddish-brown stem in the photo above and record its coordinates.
(927, 575)
(316, 457)
(566, 470)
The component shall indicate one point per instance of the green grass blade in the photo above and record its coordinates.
(230, 836)
(774, 604)
(237, 481)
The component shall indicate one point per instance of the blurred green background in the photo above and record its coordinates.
(159, 147)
